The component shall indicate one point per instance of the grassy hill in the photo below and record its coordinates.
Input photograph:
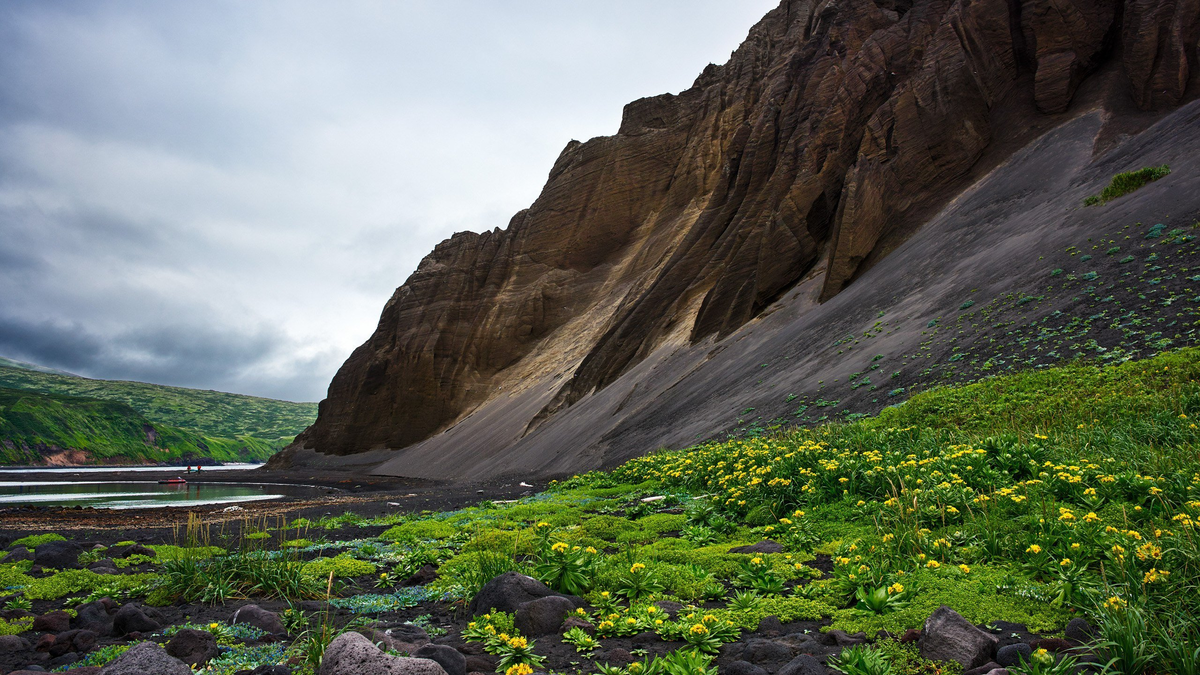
(133, 422)
(36, 428)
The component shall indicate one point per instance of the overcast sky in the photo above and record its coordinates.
(223, 194)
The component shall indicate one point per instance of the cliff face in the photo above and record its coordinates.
(833, 133)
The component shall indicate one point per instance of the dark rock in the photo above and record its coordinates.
(60, 555)
(17, 554)
(507, 592)
(45, 642)
(94, 617)
(766, 651)
(670, 608)
(131, 618)
(260, 618)
(543, 616)
(1079, 630)
(575, 621)
(1013, 654)
(65, 642)
(982, 670)
(841, 638)
(947, 636)
(131, 549)
(764, 546)
(425, 575)
(145, 658)
(803, 665)
(453, 662)
(52, 622)
(484, 663)
(193, 647)
(1055, 645)
(771, 626)
(13, 643)
(352, 654)
(63, 659)
(742, 668)
(83, 641)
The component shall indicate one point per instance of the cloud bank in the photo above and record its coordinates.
(223, 195)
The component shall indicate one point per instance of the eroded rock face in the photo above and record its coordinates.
(830, 133)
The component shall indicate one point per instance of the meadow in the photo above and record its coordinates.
(1021, 502)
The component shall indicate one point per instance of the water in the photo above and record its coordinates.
(123, 469)
(143, 494)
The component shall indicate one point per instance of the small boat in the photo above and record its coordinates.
(172, 481)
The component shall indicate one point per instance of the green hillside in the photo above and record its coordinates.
(211, 413)
(43, 413)
(36, 426)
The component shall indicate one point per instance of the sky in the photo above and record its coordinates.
(224, 194)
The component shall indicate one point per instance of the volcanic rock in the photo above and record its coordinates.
(612, 314)
(947, 636)
(143, 658)
(352, 654)
(193, 647)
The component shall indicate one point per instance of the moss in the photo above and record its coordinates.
(975, 597)
(606, 527)
(166, 552)
(15, 626)
(67, 582)
(342, 566)
(906, 660)
(36, 540)
(419, 530)
(661, 522)
(787, 609)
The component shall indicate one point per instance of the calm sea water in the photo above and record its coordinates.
(142, 494)
(124, 469)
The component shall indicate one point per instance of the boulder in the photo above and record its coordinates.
(803, 665)
(482, 663)
(134, 619)
(259, 618)
(193, 647)
(1055, 645)
(947, 636)
(449, 658)
(1079, 630)
(52, 622)
(94, 616)
(63, 659)
(79, 641)
(13, 643)
(576, 621)
(145, 658)
(352, 654)
(770, 625)
(764, 546)
(1014, 654)
(17, 554)
(131, 549)
(984, 669)
(766, 651)
(60, 555)
(742, 668)
(423, 576)
(841, 638)
(543, 616)
(507, 592)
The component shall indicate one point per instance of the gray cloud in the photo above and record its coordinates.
(224, 194)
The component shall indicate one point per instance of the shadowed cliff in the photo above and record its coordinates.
(833, 134)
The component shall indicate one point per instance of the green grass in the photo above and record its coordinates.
(211, 413)
(1124, 183)
(36, 424)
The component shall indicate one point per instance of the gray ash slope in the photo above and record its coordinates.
(962, 285)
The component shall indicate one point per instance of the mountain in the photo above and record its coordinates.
(21, 365)
(869, 198)
(46, 416)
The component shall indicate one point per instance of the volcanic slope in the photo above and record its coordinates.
(863, 202)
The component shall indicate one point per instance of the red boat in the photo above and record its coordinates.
(172, 481)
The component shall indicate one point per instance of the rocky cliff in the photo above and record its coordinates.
(833, 134)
